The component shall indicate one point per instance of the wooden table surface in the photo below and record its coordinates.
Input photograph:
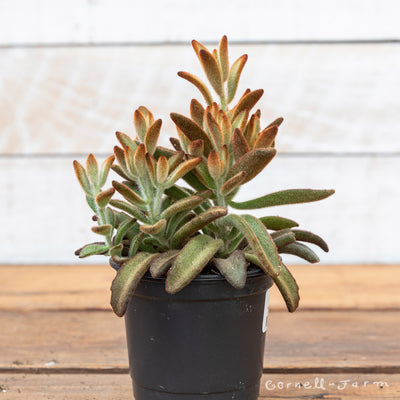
(59, 339)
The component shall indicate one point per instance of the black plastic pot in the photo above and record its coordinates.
(204, 342)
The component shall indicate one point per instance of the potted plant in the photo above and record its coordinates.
(192, 277)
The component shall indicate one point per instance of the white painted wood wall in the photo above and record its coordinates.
(72, 72)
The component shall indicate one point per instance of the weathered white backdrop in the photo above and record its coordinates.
(72, 72)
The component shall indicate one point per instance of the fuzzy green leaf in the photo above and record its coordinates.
(127, 278)
(234, 76)
(258, 239)
(151, 137)
(199, 84)
(224, 57)
(190, 261)
(285, 283)
(126, 141)
(283, 237)
(248, 102)
(215, 131)
(92, 169)
(187, 203)
(212, 70)
(92, 249)
(233, 268)
(160, 265)
(83, 178)
(291, 196)
(233, 183)
(140, 123)
(197, 223)
(278, 223)
(300, 250)
(129, 194)
(305, 236)
(104, 170)
(103, 198)
(130, 209)
(154, 229)
(103, 230)
(123, 229)
(252, 163)
(191, 130)
(182, 170)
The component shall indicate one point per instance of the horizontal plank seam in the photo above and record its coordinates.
(389, 40)
(275, 309)
(315, 154)
(283, 370)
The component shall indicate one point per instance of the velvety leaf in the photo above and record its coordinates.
(199, 84)
(285, 283)
(129, 156)
(116, 251)
(196, 148)
(300, 250)
(224, 57)
(239, 143)
(240, 120)
(258, 239)
(215, 131)
(187, 203)
(140, 124)
(197, 46)
(130, 209)
(117, 169)
(278, 223)
(151, 168)
(126, 141)
(291, 196)
(83, 178)
(233, 268)
(136, 241)
(214, 165)
(129, 194)
(248, 101)
(234, 76)
(160, 264)
(233, 183)
(266, 138)
(140, 160)
(162, 169)
(226, 129)
(154, 229)
(182, 170)
(283, 237)
(120, 156)
(103, 198)
(92, 204)
(126, 280)
(252, 163)
(104, 170)
(122, 230)
(193, 181)
(276, 122)
(104, 230)
(148, 116)
(305, 236)
(176, 144)
(212, 71)
(191, 130)
(92, 169)
(151, 137)
(190, 261)
(197, 223)
(197, 112)
(92, 249)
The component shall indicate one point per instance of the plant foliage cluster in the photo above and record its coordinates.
(157, 224)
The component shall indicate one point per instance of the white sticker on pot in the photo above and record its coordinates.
(266, 308)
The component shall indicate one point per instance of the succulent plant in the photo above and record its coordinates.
(183, 229)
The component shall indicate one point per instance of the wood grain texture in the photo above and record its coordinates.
(112, 386)
(157, 21)
(95, 341)
(42, 199)
(86, 287)
(334, 98)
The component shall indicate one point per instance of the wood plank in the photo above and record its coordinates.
(86, 287)
(334, 98)
(60, 221)
(94, 22)
(334, 341)
(112, 386)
